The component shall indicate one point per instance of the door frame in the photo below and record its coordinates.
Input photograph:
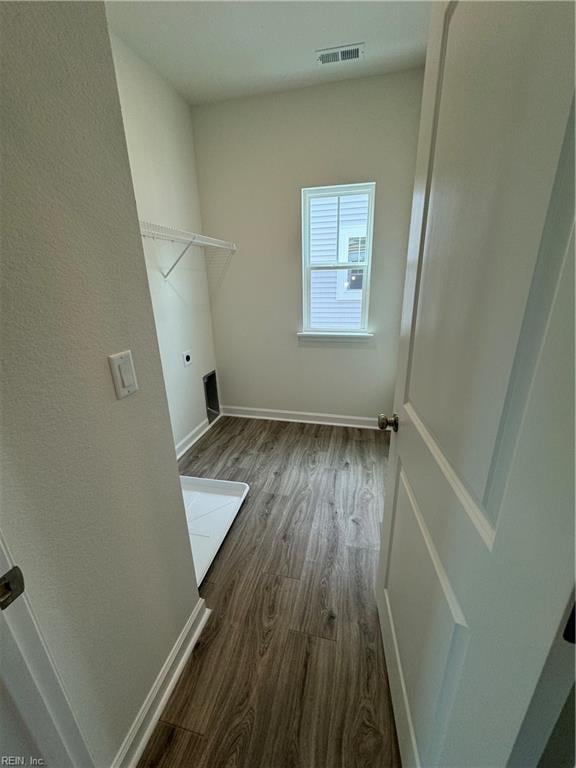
(32, 680)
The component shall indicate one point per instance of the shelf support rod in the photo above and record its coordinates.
(166, 275)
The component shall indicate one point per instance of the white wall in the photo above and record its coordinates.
(90, 497)
(158, 127)
(253, 157)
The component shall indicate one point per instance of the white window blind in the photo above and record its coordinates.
(337, 224)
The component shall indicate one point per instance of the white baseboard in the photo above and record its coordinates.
(141, 729)
(333, 419)
(192, 437)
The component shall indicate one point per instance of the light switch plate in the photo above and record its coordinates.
(187, 358)
(123, 374)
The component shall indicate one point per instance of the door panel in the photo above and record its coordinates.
(429, 624)
(499, 132)
(468, 536)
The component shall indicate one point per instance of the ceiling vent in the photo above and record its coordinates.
(343, 53)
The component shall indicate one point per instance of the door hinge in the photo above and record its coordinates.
(569, 633)
(11, 586)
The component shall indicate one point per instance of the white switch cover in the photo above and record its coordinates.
(123, 374)
(187, 358)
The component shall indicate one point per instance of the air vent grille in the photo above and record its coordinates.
(342, 53)
(329, 58)
(349, 53)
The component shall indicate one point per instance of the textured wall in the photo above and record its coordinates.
(253, 157)
(158, 127)
(90, 498)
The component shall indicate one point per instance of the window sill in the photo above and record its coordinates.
(335, 335)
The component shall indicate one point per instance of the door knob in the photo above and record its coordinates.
(385, 423)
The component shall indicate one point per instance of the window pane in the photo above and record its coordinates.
(323, 230)
(338, 228)
(336, 297)
(352, 228)
(354, 213)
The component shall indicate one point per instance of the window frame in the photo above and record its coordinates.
(368, 188)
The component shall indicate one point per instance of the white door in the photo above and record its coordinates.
(478, 535)
(37, 725)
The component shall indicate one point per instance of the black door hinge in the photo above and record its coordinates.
(11, 586)
(570, 629)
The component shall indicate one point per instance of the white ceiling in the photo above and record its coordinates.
(218, 50)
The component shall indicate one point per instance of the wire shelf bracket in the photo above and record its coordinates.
(160, 232)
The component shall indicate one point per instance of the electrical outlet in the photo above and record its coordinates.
(187, 358)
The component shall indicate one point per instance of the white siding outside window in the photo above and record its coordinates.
(337, 224)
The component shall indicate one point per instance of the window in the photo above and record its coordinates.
(337, 225)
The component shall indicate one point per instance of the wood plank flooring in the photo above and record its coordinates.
(289, 671)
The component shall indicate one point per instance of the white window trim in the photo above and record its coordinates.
(337, 189)
(336, 335)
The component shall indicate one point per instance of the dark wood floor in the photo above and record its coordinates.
(289, 671)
